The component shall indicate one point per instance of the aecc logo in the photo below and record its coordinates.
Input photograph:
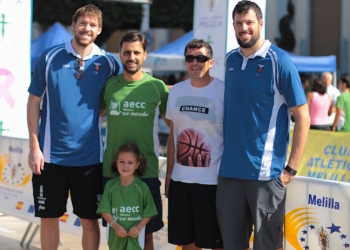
(129, 209)
(134, 104)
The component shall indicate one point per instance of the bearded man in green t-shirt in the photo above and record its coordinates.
(133, 102)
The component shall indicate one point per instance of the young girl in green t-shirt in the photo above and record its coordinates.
(127, 204)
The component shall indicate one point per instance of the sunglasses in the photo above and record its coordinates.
(199, 58)
(79, 66)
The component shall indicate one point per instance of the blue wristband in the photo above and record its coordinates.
(111, 225)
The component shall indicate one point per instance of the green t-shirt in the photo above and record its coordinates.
(129, 205)
(133, 109)
(343, 102)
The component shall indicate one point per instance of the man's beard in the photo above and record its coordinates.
(250, 43)
(131, 71)
(85, 43)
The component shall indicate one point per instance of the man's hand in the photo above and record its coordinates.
(35, 157)
(286, 177)
(199, 161)
(36, 160)
(135, 231)
(120, 231)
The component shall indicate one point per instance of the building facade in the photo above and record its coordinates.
(320, 27)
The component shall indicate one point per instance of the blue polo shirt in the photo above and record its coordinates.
(259, 92)
(69, 132)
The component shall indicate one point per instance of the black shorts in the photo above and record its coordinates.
(156, 222)
(192, 215)
(52, 188)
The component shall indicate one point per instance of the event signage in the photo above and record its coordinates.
(15, 39)
(326, 156)
(317, 214)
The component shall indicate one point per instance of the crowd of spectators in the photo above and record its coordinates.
(329, 106)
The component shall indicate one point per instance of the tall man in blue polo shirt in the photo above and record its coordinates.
(66, 150)
(262, 86)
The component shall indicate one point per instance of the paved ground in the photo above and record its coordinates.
(12, 230)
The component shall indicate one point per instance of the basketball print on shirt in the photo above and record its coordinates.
(192, 149)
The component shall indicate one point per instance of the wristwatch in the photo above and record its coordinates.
(290, 170)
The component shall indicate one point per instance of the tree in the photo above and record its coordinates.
(118, 15)
(172, 14)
